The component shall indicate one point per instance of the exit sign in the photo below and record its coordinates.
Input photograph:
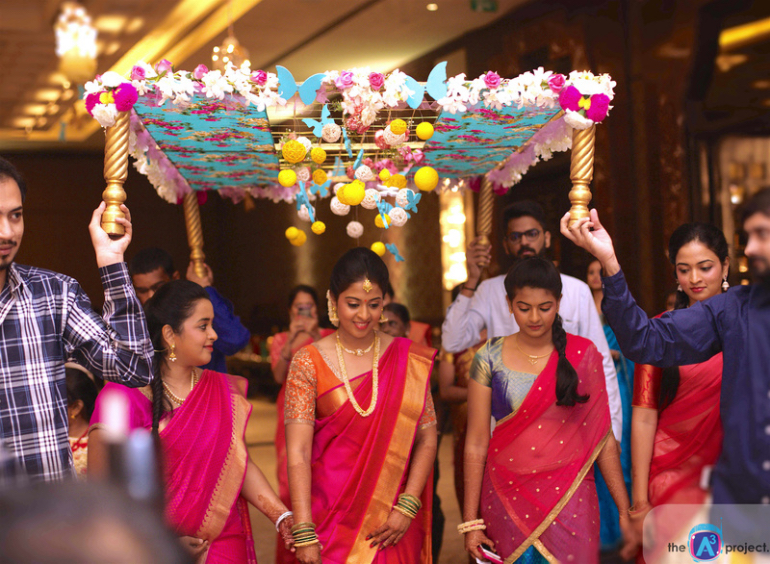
(484, 5)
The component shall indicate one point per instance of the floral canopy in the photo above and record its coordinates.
(359, 136)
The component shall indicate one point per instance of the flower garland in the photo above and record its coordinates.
(110, 93)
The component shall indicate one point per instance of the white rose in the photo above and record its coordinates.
(111, 79)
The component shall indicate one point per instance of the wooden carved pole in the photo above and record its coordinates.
(192, 220)
(581, 172)
(484, 214)
(115, 172)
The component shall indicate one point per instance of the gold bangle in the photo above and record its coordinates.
(309, 543)
(299, 525)
(404, 512)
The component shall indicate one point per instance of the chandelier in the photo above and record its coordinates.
(76, 43)
(231, 51)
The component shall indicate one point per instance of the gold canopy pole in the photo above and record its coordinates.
(486, 207)
(192, 220)
(115, 172)
(581, 172)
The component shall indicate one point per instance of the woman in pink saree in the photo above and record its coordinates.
(200, 418)
(360, 431)
(532, 482)
(303, 331)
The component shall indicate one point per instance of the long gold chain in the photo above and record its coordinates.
(532, 358)
(375, 380)
(357, 352)
(172, 396)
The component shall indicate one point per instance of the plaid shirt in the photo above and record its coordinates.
(46, 318)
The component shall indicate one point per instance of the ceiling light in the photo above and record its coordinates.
(33, 109)
(110, 24)
(53, 109)
(235, 53)
(47, 94)
(23, 122)
(76, 43)
(761, 84)
(112, 48)
(67, 94)
(432, 7)
(134, 25)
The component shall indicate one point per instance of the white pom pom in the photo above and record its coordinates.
(398, 216)
(331, 132)
(402, 198)
(364, 173)
(303, 174)
(392, 139)
(306, 142)
(371, 199)
(338, 186)
(338, 208)
(355, 229)
(303, 213)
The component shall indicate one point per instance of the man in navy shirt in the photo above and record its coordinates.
(736, 323)
(151, 268)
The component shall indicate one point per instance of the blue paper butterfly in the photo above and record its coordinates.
(321, 189)
(319, 125)
(384, 208)
(302, 199)
(413, 199)
(348, 145)
(394, 251)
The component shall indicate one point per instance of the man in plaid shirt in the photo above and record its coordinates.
(46, 318)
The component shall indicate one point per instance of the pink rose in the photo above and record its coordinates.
(137, 73)
(600, 105)
(492, 80)
(199, 71)
(202, 196)
(569, 99)
(344, 81)
(259, 77)
(91, 100)
(379, 140)
(556, 82)
(376, 80)
(125, 97)
(350, 173)
(163, 67)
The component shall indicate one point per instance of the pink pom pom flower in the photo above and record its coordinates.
(569, 99)
(600, 105)
(125, 97)
(91, 100)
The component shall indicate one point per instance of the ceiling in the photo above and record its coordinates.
(37, 107)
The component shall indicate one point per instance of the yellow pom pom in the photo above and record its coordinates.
(318, 227)
(426, 178)
(378, 220)
(379, 248)
(398, 181)
(318, 155)
(341, 195)
(319, 176)
(299, 240)
(106, 98)
(398, 126)
(354, 193)
(424, 131)
(384, 174)
(291, 233)
(287, 177)
(293, 151)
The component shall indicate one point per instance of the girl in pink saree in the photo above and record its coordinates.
(532, 482)
(360, 448)
(200, 418)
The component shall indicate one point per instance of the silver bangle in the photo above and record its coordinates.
(281, 518)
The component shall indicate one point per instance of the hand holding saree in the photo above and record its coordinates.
(360, 465)
(537, 488)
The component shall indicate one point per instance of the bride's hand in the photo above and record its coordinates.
(195, 546)
(597, 242)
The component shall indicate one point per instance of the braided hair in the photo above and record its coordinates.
(537, 272)
(171, 305)
(713, 239)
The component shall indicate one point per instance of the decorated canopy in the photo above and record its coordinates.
(356, 136)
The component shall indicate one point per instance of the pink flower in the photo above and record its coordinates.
(344, 81)
(376, 80)
(569, 99)
(199, 71)
(163, 67)
(260, 77)
(137, 73)
(492, 80)
(600, 105)
(556, 82)
(499, 189)
(202, 196)
(125, 97)
(91, 100)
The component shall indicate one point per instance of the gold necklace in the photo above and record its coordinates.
(532, 357)
(172, 396)
(357, 352)
(375, 380)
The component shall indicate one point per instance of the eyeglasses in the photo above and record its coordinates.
(516, 236)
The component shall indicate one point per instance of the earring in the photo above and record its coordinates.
(725, 284)
(333, 317)
(383, 319)
(678, 287)
(171, 354)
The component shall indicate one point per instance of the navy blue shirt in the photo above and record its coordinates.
(736, 323)
(232, 336)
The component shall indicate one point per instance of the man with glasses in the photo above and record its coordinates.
(483, 305)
